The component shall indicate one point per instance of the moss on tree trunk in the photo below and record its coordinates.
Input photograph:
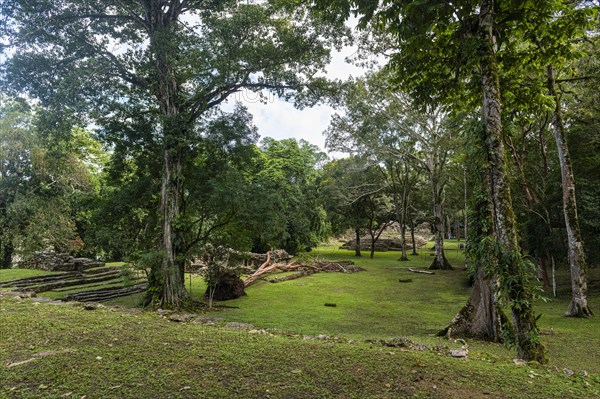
(512, 273)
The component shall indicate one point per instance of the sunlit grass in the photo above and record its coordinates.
(111, 354)
(375, 305)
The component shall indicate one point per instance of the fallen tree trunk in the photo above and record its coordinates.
(410, 269)
(301, 269)
(259, 272)
(294, 276)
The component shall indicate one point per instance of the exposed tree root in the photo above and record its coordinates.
(577, 309)
(482, 317)
(438, 264)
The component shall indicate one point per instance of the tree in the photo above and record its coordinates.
(582, 115)
(356, 196)
(540, 53)
(290, 175)
(483, 315)
(16, 142)
(447, 52)
(155, 69)
(577, 262)
(546, 50)
(42, 181)
(379, 217)
(388, 126)
(398, 175)
(339, 193)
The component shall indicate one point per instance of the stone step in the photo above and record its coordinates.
(104, 284)
(70, 276)
(39, 279)
(105, 294)
(71, 282)
(91, 265)
(101, 269)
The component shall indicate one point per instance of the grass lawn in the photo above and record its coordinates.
(374, 305)
(136, 354)
(50, 351)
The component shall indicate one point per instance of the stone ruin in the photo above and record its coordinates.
(384, 244)
(390, 239)
(54, 262)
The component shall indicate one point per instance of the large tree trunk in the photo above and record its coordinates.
(510, 262)
(439, 261)
(579, 305)
(172, 293)
(169, 280)
(482, 316)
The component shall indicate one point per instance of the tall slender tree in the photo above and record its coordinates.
(577, 262)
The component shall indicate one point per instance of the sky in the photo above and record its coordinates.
(279, 119)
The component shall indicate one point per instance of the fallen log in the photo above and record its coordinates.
(410, 269)
(259, 272)
(301, 269)
(294, 276)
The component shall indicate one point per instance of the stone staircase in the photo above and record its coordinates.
(96, 283)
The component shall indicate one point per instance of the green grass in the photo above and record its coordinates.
(374, 305)
(12, 274)
(369, 304)
(127, 355)
(214, 362)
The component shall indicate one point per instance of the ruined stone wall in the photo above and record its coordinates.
(51, 261)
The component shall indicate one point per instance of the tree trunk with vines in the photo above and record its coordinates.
(482, 316)
(511, 264)
(169, 279)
